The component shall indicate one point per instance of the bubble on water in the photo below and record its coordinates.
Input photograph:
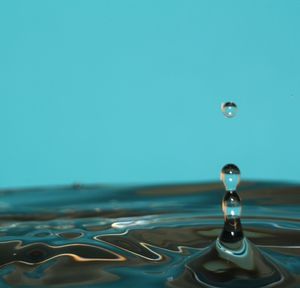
(230, 175)
(229, 109)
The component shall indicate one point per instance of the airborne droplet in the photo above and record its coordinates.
(230, 175)
(229, 109)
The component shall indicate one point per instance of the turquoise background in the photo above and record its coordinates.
(124, 91)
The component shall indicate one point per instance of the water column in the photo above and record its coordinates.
(232, 260)
(231, 205)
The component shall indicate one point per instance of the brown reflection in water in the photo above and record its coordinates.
(46, 216)
(270, 196)
(186, 280)
(175, 238)
(70, 235)
(170, 190)
(62, 271)
(132, 246)
(84, 264)
(38, 253)
(139, 244)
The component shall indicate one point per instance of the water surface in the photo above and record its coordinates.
(111, 236)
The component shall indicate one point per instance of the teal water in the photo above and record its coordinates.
(113, 236)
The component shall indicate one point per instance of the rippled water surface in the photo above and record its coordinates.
(101, 236)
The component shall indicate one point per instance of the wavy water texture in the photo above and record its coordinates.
(158, 236)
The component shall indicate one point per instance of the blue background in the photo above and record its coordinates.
(124, 91)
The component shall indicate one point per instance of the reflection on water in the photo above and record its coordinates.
(97, 236)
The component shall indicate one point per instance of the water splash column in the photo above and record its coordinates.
(232, 260)
(231, 205)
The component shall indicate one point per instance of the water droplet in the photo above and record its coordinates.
(231, 205)
(229, 109)
(230, 175)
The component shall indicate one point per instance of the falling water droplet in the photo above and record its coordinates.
(230, 175)
(229, 109)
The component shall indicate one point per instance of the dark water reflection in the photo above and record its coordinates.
(97, 236)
